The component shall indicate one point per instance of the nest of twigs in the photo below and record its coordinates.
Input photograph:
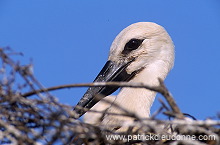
(29, 114)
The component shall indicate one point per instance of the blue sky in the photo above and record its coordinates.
(69, 41)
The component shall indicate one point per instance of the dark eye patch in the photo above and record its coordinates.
(132, 45)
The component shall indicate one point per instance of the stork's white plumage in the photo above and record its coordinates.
(142, 52)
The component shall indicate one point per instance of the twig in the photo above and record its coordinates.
(96, 84)
(170, 100)
(161, 89)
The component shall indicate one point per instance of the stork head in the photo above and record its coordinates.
(135, 48)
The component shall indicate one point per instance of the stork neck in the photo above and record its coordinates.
(139, 100)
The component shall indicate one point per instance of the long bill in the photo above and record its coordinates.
(111, 72)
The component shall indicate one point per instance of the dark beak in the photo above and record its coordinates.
(111, 72)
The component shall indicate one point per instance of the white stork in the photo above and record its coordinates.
(142, 52)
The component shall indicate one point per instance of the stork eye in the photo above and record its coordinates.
(132, 45)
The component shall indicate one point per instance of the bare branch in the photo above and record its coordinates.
(96, 84)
